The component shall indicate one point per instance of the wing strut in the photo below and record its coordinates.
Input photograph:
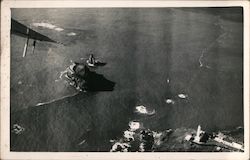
(33, 47)
(26, 43)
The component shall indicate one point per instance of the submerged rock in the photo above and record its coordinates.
(17, 129)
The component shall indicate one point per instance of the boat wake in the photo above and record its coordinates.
(55, 100)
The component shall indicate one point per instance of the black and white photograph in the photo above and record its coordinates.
(127, 79)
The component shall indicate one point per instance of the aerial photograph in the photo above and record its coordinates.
(166, 79)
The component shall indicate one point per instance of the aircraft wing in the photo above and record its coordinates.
(22, 30)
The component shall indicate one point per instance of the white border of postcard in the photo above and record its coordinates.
(5, 81)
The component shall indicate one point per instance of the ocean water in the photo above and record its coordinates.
(191, 56)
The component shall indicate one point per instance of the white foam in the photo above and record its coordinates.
(39, 104)
(71, 34)
(181, 95)
(48, 26)
(54, 100)
(61, 74)
(17, 129)
(82, 142)
(170, 101)
(129, 135)
(143, 110)
(157, 137)
(44, 25)
(218, 148)
(124, 147)
(59, 29)
(142, 147)
(134, 125)
(168, 80)
(188, 137)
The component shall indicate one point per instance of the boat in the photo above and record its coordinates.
(92, 62)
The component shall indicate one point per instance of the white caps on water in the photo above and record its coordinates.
(141, 109)
(183, 96)
(71, 34)
(124, 147)
(48, 26)
(17, 129)
(188, 137)
(129, 135)
(170, 101)
(168, 80)
(134, 125)
(59, 29)
(44, 25)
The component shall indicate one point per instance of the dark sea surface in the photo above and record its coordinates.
(200, 52)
